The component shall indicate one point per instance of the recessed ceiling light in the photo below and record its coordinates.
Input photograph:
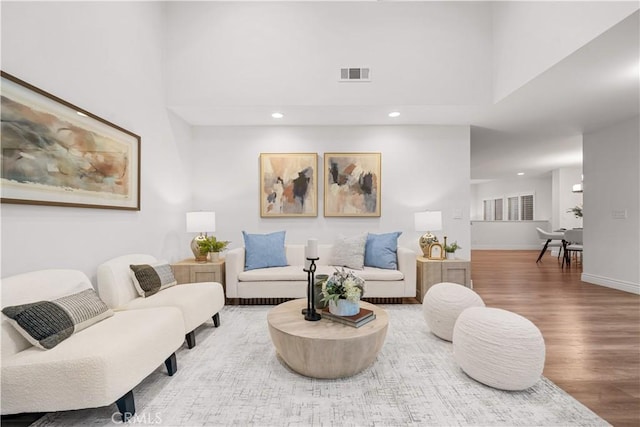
(394, 114)
(277, 115)
(80, 113)
(520, 173)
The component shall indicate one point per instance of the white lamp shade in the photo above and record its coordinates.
(201, 222)
(428, 221)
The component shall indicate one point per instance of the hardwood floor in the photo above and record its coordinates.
(592, 333)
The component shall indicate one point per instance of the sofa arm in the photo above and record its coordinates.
(234, 265)
(407, 265)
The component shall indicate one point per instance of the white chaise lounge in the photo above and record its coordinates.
(197, 302)
(94, 367)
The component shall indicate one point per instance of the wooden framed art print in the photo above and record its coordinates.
(352, 184)
(54, 153)
(288, 184)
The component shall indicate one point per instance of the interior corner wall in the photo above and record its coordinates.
(522, 51)
(612, 206)
(105, 57)
(423, 167)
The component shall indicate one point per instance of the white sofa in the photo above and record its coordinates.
(94, 367)
(198, 302)
(291, 281)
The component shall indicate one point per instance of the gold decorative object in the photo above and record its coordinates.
(436, 251)
(426, 240)
(200, 222)
(428, 221)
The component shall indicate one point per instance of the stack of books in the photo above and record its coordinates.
(363, 317)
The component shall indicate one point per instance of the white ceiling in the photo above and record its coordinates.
(535, 129)
(538, 128)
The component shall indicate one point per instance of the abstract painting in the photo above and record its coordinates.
(352, 184)
(54, 153)
(288, 184)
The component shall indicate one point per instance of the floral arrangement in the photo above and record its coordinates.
(343, 285)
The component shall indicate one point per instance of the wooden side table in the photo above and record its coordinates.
(190, 271)
(431, 272)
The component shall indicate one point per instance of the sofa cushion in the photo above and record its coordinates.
(295, 273)
(380, 274)
(197, 302)
(381, 250)
(273, 274)
(150, 279)
(264, 250)
(349, 251)
(46, 324)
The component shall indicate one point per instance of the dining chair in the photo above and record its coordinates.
(573, 244)
(552, 240)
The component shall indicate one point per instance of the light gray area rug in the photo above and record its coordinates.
(233, 377)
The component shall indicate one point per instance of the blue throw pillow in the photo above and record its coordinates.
(381, 250)
(264, 250)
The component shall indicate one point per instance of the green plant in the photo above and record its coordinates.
(452, 247)
(211, 244)
(577, 211)
(342, 285)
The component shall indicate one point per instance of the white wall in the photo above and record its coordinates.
(564, 198)
(105, 58)
(521, 51)
(507, 235)
(612, 183)
(510, 234)
(290, 53)
(539, 186)
(423, 167)
(553, 197)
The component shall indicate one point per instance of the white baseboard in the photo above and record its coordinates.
(620, 285)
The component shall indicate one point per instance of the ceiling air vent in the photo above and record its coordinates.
(354, 75)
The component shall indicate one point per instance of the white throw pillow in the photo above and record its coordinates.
(349, 251)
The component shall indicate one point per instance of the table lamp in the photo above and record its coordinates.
(428, 221)
(200, 222)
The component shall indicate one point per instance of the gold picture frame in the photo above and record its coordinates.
(352, 184)
(436, 251)
(288, 185)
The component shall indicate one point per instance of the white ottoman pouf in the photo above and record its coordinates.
(498, 348)
(442, 305)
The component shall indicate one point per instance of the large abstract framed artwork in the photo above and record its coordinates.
(54, 153)
(288, 184)
(352, 184)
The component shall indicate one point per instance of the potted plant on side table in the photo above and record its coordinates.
(213, 246)
(451, 249)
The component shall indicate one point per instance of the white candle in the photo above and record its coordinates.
(312, 248)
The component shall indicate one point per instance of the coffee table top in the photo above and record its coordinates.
(287, 317)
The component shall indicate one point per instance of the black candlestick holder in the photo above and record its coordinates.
(310, 312)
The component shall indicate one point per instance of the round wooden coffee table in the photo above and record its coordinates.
(325, 349)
